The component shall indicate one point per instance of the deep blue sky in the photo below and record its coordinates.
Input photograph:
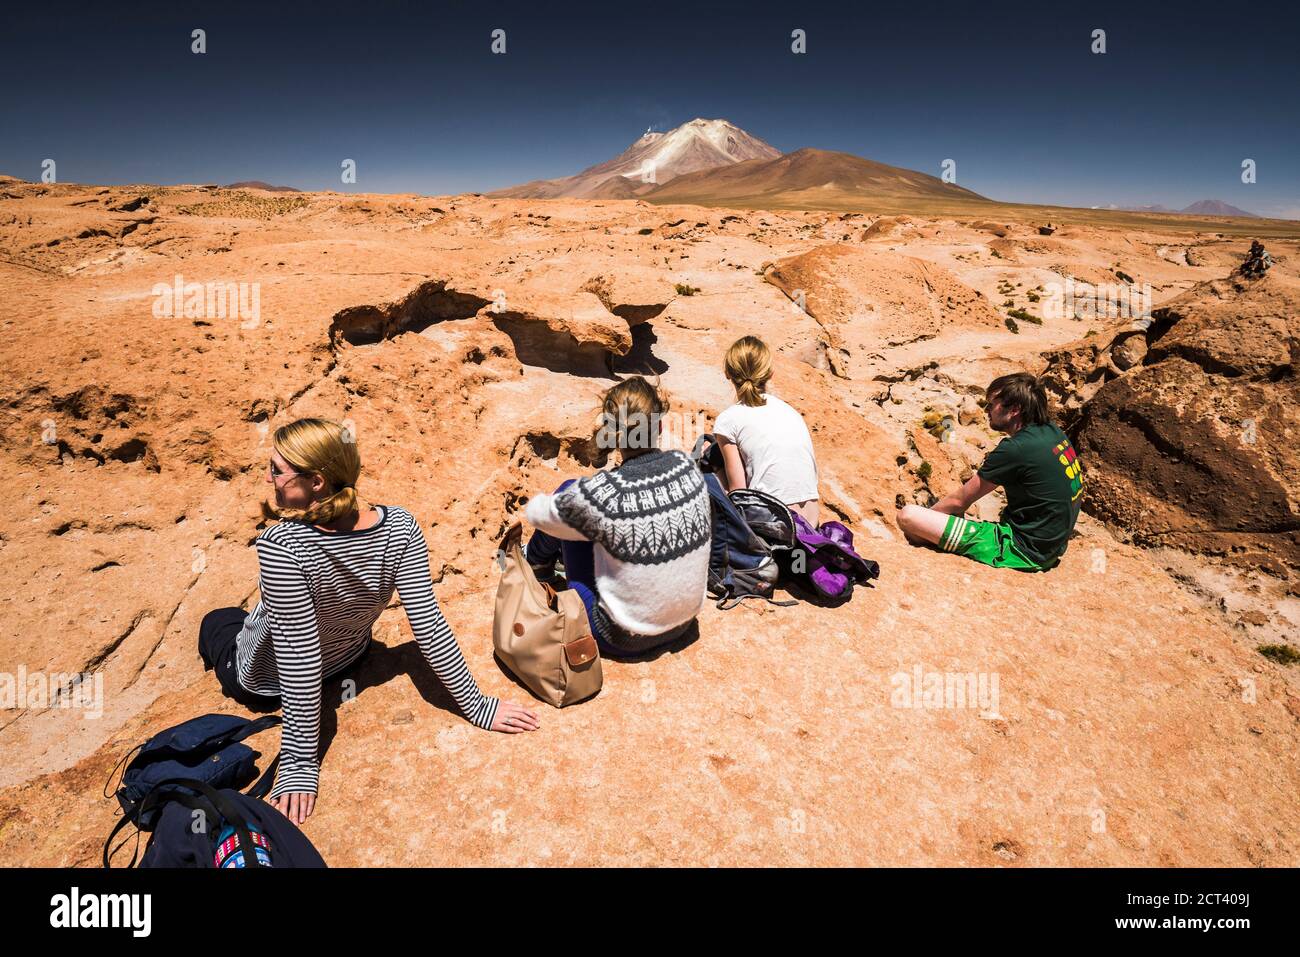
(411, 91)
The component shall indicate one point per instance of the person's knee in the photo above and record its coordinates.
(220, 618)
(215, 626)
(918, 524)
(908, 516)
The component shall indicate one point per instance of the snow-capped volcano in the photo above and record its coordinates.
(654, 159)
(714, 162)
(699, 144)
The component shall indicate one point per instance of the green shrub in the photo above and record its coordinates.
(1025, 316)
(1011, 324)
(685, 289)
(1282, 654)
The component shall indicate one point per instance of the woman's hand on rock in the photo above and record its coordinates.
(513, 718)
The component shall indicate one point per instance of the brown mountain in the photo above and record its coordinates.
(808, 178)
(1216, 207)
(258, 184)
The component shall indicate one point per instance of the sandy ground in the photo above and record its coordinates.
(1135, 723)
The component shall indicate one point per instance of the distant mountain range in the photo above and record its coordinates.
(1205, 207)
(715, 162)
(258, 184)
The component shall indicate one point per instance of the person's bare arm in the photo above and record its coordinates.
(956, 503)
(734, 465)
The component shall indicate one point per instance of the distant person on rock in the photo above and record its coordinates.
(1042, 476)
(765, 443)
(634, 538)
(327, 570)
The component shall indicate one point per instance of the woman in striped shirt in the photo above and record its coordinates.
(327, 570)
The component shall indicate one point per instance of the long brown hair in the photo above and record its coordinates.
(325, 448)
(630, 414)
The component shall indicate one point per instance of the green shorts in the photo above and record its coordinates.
(989, 542)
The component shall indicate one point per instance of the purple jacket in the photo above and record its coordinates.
(833, 567)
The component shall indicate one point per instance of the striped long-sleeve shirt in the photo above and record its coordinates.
(321, 593)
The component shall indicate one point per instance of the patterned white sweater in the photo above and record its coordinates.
(650, 523)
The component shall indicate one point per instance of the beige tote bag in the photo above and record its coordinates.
(543, 636)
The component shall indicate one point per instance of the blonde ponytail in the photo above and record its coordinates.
(327, 449)
(749, 367)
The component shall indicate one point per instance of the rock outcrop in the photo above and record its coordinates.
(866, 299)
(1189, 424)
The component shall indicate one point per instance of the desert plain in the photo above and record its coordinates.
(467, 338)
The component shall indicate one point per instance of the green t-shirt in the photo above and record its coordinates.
(1043, 479)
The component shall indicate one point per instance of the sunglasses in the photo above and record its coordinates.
(277, 473)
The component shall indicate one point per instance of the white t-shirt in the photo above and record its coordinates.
(774, 446)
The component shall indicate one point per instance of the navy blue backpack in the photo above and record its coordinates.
(233, 822)
(188, 764)
(742, 563)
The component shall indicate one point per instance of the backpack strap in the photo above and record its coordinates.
(263, 786)
(712, 461)
(122, 822)
(232, 814)
(247, 731)
(728, 602)
(121, 765)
